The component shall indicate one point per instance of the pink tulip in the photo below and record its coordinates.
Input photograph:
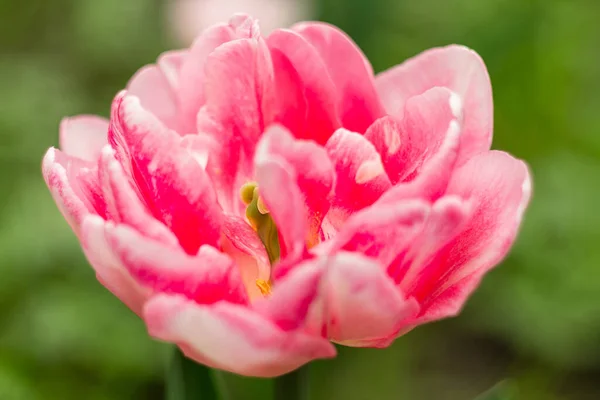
(253, 199)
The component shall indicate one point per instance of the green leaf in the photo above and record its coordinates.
(187, 380)
(502, 391)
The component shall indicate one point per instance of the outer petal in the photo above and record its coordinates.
(109, 270)
(319, 90)
(499, 188)
(350, 71)
(232, 337)
(243, 245)
(74, 186)
(360, 303)
(170, 180)
(360, 176)
(83, 136)
(457, 68)
(278, 148)
(206, 278)
(124, 205)
(382, 232)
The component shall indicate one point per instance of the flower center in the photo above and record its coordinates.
(262, 222)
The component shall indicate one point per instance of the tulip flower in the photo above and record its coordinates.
(254, 199)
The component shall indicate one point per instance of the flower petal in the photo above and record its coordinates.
(170, 181)
(192, 77)
(83, 136)
(360, 176)
(239, 102)
(123, 204)
(278, 147)
(498, 187)
(423, 147)
(382, 232)
(243, 245)
(360, 302)
(319, 90)
(109, 270)
(457, 68)
(231, 337)
(350, 71)
(205, 278)
(153, 88)
(74, 186)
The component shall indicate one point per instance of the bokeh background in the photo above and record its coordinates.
(536, 318)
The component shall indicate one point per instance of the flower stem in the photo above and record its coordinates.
(293, 386)
(187, 380)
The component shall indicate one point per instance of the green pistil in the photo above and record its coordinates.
(261, 220)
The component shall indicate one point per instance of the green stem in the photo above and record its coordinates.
(293, 386)
(187, 380)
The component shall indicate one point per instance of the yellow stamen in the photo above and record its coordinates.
(247, 192)
(260, 205)
(264, 286)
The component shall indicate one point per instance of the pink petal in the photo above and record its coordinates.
(279, 148)
(170, 63)
(283, 198)
(239, 102)
(192, 77)
(293, 298)
(170, 181)
(153, 88)
(457, 68)
(109, 269)
(422, 147)
(206, 278)
(447, 218)
(382, 232)
(319, 90)
(232, 337)
(244, 246)
(123, 204)
(360, 176)
(74, 186)
(360, 303)
(499, 187)
(291, 105)
(350, 71)
(83, 136)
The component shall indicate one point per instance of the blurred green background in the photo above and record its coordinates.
(535, 320)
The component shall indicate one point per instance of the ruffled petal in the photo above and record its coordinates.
(232, 337)
(169, 179)
(498, 186)
(382, 232)
(359, 302)
(109, 269)
(156, 94)
(457, 68)
(239, 105)
(243, 245)
(123, 204)
(205, 278)
(420, 151)
(83, 136)
(360, 176)
(350, 71)
(319, 90)
(74, 186)
(294, 194)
